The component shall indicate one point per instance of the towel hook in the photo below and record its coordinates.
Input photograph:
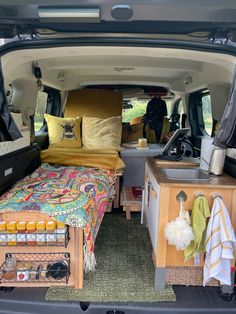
(199, 194)
(216, 194)
(181, 196)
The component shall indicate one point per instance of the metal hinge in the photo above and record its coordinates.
(219, 41)
(221, 37)
(25, 34)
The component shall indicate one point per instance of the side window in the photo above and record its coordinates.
(207, 113)
(40, 110)
(181, 107)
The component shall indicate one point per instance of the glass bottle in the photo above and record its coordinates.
(51, 232)
(3, 233)
(61, 232)
(31, 234)
(11, 233)
(21, 233)
(9, 272)
(40, 233)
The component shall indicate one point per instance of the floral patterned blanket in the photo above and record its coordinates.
(77, 196)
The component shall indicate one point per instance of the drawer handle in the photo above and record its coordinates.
(153, 192)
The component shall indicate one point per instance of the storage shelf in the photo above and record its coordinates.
(64, 239)
(44, 268)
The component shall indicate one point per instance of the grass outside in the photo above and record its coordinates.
(37, 126)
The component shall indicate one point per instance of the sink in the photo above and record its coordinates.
(184, 174)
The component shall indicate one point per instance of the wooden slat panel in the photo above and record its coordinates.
(174, 257)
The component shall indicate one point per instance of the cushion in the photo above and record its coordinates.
(102, 133)
(93, 103)
(64, 132)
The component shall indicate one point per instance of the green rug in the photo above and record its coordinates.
(124, 272)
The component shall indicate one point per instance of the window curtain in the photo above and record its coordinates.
(8, 129)
(226, 133)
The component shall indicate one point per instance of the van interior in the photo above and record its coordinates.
(102, 82)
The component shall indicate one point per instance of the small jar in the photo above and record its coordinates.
(142, 143)
(21, 233)
(61, 232)
(11, 233)
(9, 272)
(3, 233)
(31, 234)
(44, 267)
(40, 233)
(34, 272)
(23, 271)
(51, 232)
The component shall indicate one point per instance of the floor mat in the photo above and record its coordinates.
(124, 272)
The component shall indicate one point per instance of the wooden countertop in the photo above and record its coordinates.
(223, 181)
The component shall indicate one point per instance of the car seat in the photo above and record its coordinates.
(155, 122)
(152, 125)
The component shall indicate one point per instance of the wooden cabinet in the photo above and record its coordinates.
(71, 254)
(161, 206)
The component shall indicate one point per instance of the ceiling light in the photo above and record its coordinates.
(124, 69)
(71, 14)
(187, 80)
(61, 77)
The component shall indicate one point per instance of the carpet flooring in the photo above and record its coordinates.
(124, 272)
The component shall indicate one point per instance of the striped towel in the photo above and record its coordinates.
(220, 242)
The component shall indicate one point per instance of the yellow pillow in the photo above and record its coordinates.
(102, 133)
(63, 132)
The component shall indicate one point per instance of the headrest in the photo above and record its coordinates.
(156, 107)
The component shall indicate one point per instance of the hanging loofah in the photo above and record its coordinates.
(178, 232)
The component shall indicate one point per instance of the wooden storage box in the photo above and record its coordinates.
(131, 200)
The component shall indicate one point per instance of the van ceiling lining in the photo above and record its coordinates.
(85, 65)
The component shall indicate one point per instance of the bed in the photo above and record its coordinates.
(72, 185)
(77, 196)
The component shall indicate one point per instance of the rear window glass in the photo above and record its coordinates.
(207, 113)
(139, 109)
(40, 110)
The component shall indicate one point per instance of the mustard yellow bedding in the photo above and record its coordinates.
(97, 158)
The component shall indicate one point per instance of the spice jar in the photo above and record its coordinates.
(11, 233)
(34, 274)
(31, 234)
(3, 233)
(61, 232)
(21, 233)
(9, 272)
(40, 233)
(23, 271)
(51, 232)
(44, 270)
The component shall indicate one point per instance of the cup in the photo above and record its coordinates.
(142, 142)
